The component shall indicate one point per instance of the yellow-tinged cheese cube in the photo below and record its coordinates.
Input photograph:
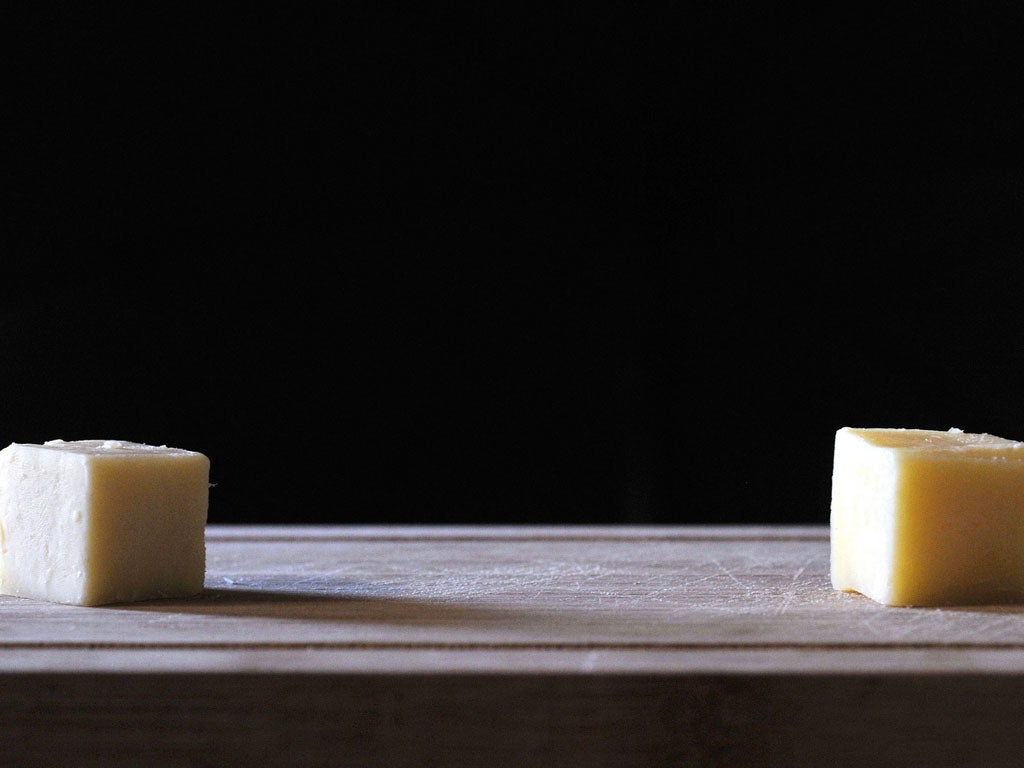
(91, 522)
(925, 517)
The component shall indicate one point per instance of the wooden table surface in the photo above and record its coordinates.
(492, 646)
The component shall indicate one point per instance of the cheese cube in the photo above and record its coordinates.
(90, 522)
(927, 518)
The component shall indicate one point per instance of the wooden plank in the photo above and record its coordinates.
(499, 533)
(603, 646)
(623, 599)
(617, 721)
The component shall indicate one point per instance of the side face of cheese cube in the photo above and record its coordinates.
(926, 518)
(91, 522)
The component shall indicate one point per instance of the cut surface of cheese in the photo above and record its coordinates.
(926, 517)
(91, 522)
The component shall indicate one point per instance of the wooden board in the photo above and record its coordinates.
(406, 646)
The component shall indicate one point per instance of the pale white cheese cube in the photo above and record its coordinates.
(926, 517)
(90, 522)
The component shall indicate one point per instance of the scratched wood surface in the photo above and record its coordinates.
(512, 646)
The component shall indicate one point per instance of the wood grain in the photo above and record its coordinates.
(618, 646)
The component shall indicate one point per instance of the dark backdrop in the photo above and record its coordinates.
(589, 264)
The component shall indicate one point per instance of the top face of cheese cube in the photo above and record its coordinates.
(955, 441)
(110, 448)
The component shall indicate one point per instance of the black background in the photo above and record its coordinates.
(590, 264)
